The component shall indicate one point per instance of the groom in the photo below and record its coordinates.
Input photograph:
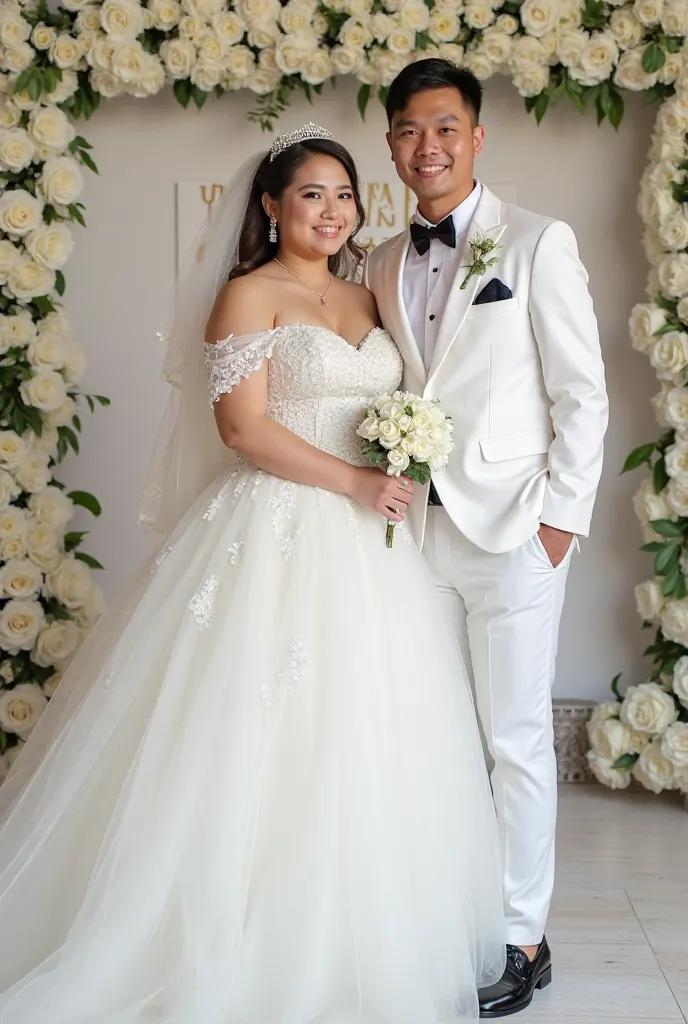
(490, 308)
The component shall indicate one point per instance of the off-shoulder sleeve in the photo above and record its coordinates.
(230, 361)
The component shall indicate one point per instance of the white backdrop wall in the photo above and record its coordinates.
(121, 279)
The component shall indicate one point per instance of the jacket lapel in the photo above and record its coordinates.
(486, 221)
(401, 327)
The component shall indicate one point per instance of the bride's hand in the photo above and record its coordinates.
(388, 495)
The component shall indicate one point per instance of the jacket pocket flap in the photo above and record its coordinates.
(493, 308)
(498, 449)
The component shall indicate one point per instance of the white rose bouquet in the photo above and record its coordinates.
(402, 433)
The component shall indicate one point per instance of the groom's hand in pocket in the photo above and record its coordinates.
(555, 542)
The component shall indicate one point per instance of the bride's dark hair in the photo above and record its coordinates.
(273, 177)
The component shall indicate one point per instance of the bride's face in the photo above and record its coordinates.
(317, 212)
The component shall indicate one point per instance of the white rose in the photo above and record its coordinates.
(240, 61)
(390, 434)
(88, 614)
(51, 245)
(15, 547)
(532, 83)
(17, 58)
(401, 40)
(656, 203)
(62, 181)
(444, 27)
(669, 354)
(179, 56)
(673, 274)
(526, 54)
(674, 17)
(361, 8)
(20, 578)
(646, 320)
(571, 46)
(122, 19)
(9, 258)
(16, 150)
(649, 599)
(607, 709)
(398, 461)
(74, 364)
(21, 708)
(676, 461)
(166, 14)
(369, 429)
(52, 507)
(674, 621)
(205, 9)
(680, 680)
(264, 36)
(33, 474)
(648, 11)
(295, 16)
(497, 45)
(45, 391)
(597, 60)
(672, 118)
(507, 23)
(14, 30)
(292, 51)
(43, 546)
(6, 672)
(8, 489)
(626, 28)
(101, 52)
(16, 331)
(50, 128)
(229, 27)
(55, 643)
(206, 76)
(658, 402)
(414, 16)
(675, 745)
(88, 19)
(630, 73)
(648, 505)
(51, 684)
(604, 771)
(655, 249)
(129, 61)
(667, 147)
(676, 408)
(539, 17)
(346, 60)
(609, 738)
(62, 416)
(354, 35)
(452, 52)
(671, 68)
(66, 52)
(653, 770)
(12, 449)
(20, 212)
(677, 497)
(70, 584)
(648, 708)
(29, 280)
(478, 15)
(10, 115)
(13, 524)
(20, 622)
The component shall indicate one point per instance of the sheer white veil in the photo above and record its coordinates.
(188, 452)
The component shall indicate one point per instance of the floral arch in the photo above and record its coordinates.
(56, 64)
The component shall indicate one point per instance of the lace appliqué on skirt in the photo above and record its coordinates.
(290, 676)
(201, 604)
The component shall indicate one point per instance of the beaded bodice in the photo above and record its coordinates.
(318, 384)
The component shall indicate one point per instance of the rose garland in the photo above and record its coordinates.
(56, 65)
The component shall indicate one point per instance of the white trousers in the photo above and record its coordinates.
(506, 610)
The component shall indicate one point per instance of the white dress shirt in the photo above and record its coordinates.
(428, 278)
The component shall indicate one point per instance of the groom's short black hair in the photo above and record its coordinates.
(434, 73)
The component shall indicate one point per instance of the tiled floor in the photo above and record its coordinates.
(619, 922)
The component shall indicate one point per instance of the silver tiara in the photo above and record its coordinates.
(309, 131)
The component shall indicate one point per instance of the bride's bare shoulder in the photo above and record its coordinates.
(242, 306)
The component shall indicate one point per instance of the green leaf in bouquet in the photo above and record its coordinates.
(671, 580)
(667, 528)
(57, 610)
(626, 761)
(615, 686)
(660, 477)
(666, 559)
(638, 456)
(87, 501)
(73, 539)
(89, 560)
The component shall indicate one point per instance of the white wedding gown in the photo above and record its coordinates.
(259, 796)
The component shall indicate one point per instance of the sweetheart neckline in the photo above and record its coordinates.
(339, 337)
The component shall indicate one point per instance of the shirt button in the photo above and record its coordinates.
(432, 316)
(435, 269)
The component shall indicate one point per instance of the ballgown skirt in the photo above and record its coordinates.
(258, 795)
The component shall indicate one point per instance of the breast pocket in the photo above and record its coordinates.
(487, 309)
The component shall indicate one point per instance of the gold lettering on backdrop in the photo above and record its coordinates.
(210, 194)
(380, 210)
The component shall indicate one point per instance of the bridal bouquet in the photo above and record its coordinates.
(402, 433)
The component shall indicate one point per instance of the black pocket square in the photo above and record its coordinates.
(494, 291)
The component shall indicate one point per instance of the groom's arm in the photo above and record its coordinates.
(565, 329)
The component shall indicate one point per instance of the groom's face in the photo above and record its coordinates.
(434, 142)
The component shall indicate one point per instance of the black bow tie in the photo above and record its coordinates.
(421, 236)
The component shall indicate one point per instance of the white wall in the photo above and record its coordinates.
(121, 278)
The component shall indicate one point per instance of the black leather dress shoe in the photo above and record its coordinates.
(514, 990)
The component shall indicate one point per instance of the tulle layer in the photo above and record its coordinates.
(258, 796)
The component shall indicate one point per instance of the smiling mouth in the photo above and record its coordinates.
(430, 170)
(329, 232)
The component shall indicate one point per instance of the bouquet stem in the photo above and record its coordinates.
(389, 536)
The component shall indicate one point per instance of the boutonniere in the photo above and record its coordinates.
(481, 247)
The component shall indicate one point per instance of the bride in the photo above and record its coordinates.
(258, 796)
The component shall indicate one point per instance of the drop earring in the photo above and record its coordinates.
(273, 230)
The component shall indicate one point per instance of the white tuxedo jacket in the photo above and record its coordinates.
(522, 378)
